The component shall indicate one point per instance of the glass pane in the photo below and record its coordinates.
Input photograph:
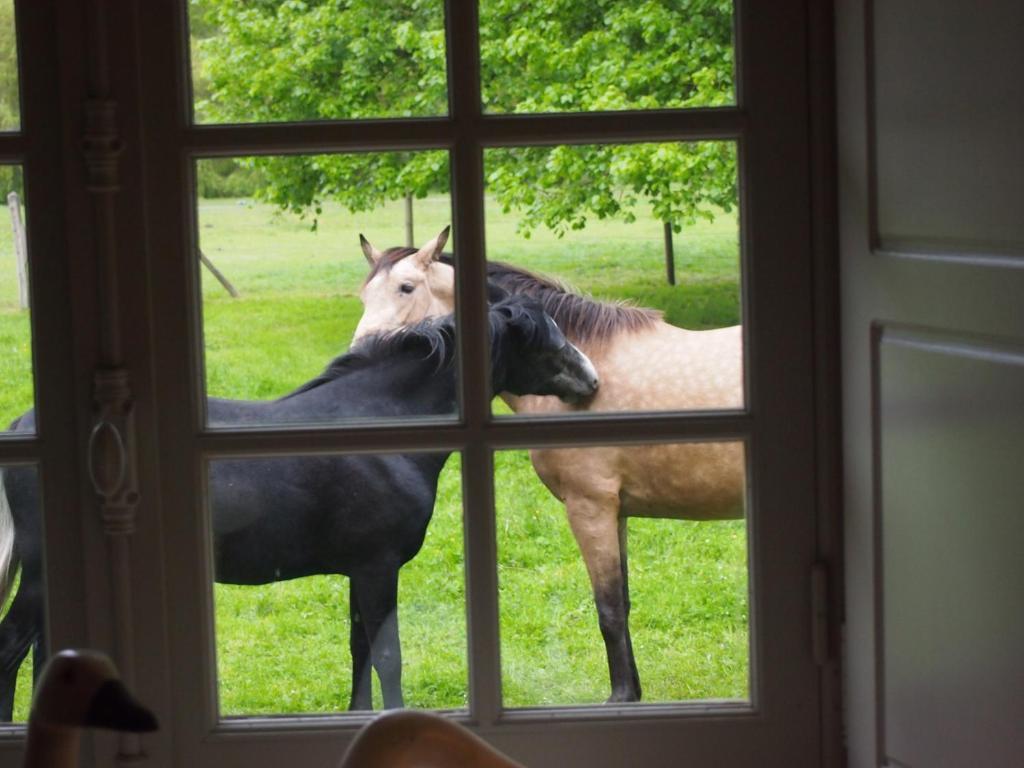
(278, 60)
(10, 102)
(16, 386)
(286, 529)
(21, 591)
(284, 272)
(634, 250)
(568, 56)
(687, 621)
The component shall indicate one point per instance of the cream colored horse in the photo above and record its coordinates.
(643, 364)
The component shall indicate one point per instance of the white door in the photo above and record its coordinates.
(931, 114)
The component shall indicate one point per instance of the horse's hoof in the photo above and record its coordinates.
(623, 697)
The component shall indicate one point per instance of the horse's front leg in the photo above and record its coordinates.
(595, 524)
(376, 589)
(359, 647)
(20, 629)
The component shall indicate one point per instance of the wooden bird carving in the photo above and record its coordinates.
(78, 689)
(410, 739)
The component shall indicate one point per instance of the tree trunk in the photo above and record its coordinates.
(408, 221)
(670, 257)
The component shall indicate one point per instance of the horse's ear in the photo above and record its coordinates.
(432, 250)
(372, 254)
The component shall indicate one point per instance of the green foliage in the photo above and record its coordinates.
(226, 177)
(11, 180)
(566, 56)
(277, 60)
(561, 187)
(324, 59)
(287, 60)
(362, 182)
(10, 108)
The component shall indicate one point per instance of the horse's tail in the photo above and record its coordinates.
(8, 557)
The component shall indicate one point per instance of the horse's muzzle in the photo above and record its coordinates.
(584, 381)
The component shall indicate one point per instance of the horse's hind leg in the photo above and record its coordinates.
(359, 646)
(377, 592)
(624, 563)
(20, 628)
(595, 524)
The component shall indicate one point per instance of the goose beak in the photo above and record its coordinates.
(114, 708)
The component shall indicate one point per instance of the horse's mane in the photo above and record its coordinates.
(582, 318)
(433, 338)
(388, 259)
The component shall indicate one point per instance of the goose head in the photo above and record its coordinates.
(82, 689)
(78, 689)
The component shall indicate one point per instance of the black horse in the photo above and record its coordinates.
(363, 516)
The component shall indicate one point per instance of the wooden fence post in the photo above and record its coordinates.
(20, 248)
(221, 278)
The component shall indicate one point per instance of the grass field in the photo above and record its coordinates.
(284, 647)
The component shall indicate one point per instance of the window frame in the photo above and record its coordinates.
(769, 124)
(54, 447)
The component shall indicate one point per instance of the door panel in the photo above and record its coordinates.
(951, 532)
(931, 277)
(948, 161)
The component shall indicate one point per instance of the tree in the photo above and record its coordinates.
(342, 59)
(9, 95)
(564, 56)
(280, 60)
(10, 112)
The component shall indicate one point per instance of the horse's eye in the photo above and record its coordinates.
(407, 287)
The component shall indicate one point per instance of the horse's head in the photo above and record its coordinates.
(405, 286)
(531, 355)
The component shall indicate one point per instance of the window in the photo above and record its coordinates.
(22, 587)
(180, 331)
(39, 468)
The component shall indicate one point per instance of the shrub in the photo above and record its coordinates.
(226, 177)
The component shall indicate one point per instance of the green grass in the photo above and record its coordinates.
(15, 365)
(284, 647)
(15, 350)
(688, 592)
